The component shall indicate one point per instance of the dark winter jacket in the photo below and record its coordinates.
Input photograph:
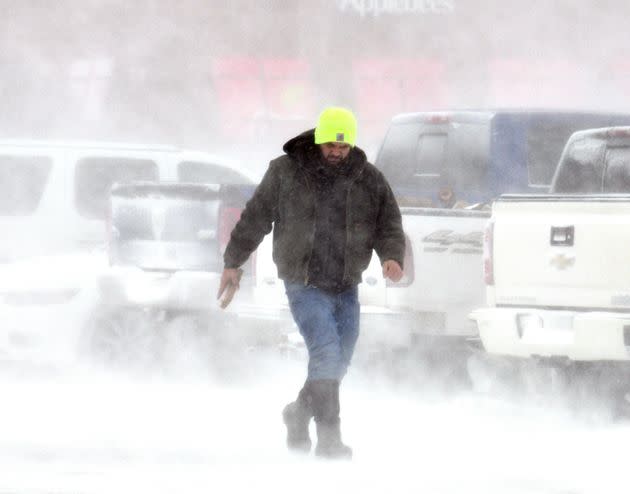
(287, 199)
(327, 264)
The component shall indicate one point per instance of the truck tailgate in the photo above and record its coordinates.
(562, 251)
(447, 264)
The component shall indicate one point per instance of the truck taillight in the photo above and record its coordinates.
(619, 132)
(488, 261)
(108, 233)
(228, 217)
(408, 268)
(438, 119)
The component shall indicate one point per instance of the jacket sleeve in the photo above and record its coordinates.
(255, 222)
(390, 238)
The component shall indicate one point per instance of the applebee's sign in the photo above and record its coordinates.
(376, 8)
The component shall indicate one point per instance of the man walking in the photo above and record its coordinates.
(329, 209)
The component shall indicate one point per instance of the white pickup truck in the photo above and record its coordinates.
(557, 266)
(441, 161)
(424, 317)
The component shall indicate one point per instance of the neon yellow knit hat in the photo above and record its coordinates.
(336, 125)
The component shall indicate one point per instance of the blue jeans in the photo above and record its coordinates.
(329, 324)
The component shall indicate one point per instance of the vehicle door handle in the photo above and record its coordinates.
(562, 235)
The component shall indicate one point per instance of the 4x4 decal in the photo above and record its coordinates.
(455, 243)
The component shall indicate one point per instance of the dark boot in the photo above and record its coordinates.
(326, 408)
(297, 417)
(329, 443)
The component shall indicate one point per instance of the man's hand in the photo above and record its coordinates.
(392, 270)
(230, 282)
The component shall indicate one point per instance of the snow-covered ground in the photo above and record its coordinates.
(70, 426)
(78, 429)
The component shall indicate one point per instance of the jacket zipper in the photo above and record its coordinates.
(348, 226)
(312, 235)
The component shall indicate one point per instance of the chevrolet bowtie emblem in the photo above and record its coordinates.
(562, 261)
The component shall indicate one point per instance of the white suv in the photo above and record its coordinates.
(53, 195)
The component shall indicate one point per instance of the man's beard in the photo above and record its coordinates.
(334, 160)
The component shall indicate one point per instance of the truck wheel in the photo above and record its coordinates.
(600, 391)
(546, 384)
(493, 374)
(185, 340)
(125, 337)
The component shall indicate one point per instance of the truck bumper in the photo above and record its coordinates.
(579, 336)
(386, 328)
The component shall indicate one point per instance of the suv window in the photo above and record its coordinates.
(208, 173)
(22, 183)
(95, 176)
(617, 177)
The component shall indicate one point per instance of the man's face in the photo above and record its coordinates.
(334, 152)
